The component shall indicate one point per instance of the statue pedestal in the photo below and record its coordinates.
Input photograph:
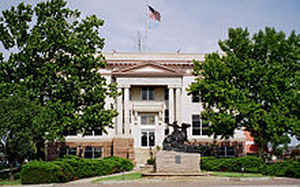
(177, 162)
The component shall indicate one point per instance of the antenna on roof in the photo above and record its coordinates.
(178, 51)
(114, 51)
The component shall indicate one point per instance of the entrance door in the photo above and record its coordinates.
(148, 138)
(148, 127)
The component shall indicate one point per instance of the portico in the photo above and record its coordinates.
(158, 98)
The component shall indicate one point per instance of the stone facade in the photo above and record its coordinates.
(154, 87)
(177, 162)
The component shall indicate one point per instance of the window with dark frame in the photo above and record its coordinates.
(195, 98)
(88, 152)
(92, 152)
(147, 93)
(198, 128)
(166, 116)
(96, 132)
(144, 139)
(97, 152)
(226, 151)
(148, 119)
(88, 132)
(196, 125)
(148, 138)
(166, 94)
(72, 151)
(70, 132)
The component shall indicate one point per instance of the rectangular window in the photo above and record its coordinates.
(144, 139)
(196, 125)
(147, 93)
(226, 151)
(195, 98)
(96, 132)
(70, 132)
(148, 138)
(166, 94)
(66, 150)
(88, 152)
(198, 128)
(166, 116)
(71, 150)
(92, 152)
(148, 119)
(88, 132)
(151, 139)
(97, 152)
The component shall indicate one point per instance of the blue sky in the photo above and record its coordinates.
(194, 26)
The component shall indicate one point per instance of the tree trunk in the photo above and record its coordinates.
(11, 173)
(261, 150)
(40, 150)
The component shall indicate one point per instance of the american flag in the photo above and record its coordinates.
(154, 14)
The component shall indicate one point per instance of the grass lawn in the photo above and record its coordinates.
(235, 174)
(130, 176)
(7, 182)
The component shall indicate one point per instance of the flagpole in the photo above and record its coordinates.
(146, 28)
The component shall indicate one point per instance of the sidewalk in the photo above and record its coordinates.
(89, 180)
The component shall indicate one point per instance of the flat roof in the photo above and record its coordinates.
(153, 56)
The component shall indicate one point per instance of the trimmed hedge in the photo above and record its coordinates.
(38, 172)
(285, 168)
(121, 164)
(251, 164)
(71, 168)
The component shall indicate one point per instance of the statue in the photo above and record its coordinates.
(176, 140)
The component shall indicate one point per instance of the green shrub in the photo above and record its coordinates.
(248, 163)
(71, 168)
(251, 164)
(284, 168)
(122, 164)
(68, 171)
(293, 170)
(38, 172)
(208, 163)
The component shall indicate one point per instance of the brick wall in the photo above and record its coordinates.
(121, 147)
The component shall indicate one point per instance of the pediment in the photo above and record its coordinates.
(149, 68)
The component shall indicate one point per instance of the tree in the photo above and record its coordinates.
(17, 116)
(55, 65)
(254, 85)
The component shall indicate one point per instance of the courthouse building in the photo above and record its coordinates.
(154, 93)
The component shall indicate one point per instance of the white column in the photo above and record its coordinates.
(126, 110)
(171, 105)
(178, 105)
(119, 123)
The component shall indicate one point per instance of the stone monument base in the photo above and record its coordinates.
(177, 162)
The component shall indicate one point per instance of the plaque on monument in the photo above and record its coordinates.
(177, 159)
(177, 156)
